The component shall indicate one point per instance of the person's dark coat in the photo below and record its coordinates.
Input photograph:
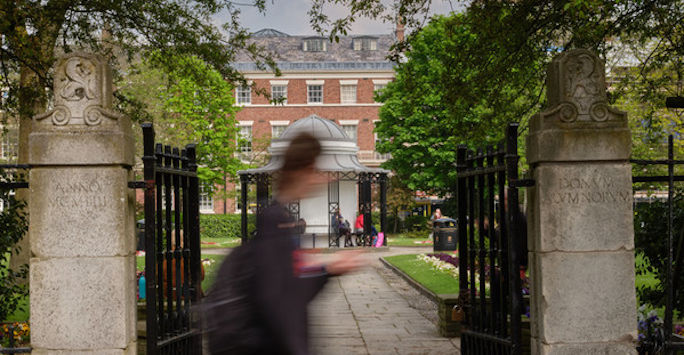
(259, 303)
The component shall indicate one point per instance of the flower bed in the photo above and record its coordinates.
(20, 333)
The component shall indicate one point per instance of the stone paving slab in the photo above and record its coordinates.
(362, 314)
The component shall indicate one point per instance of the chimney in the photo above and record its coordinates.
(399, 31)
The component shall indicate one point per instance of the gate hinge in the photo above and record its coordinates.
(136, 184)
(521, 183)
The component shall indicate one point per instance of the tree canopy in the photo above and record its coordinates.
(462, 77)
(442, 98)
(190, 104)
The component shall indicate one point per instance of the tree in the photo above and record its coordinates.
(199, 108)
(502, 59)
(442, 97)
(399, 198)
(35, 32)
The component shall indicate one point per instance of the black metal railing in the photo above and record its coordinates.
(489, 278)
(172, 247)
(673, 265)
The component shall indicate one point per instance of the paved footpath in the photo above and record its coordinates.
(362, 314)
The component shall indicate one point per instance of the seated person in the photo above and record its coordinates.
(358, 228)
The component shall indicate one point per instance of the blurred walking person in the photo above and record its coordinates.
(259, 302)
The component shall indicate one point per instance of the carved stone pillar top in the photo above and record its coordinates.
(81, 129)
(578, 124)
(82, 92)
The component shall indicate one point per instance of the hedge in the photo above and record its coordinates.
(224, 225)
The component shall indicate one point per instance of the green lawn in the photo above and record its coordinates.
(216, 243)
(407, 242)
(436, 281)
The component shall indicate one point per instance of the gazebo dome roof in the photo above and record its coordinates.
(321, 128)
(338, 153)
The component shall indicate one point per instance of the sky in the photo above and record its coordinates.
(290, 16)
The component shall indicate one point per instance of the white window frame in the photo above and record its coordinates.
(279, 84)
(279, 125)
(321, 45)
(348, 91)
(246, 91)
(9, 147)
(380, 84)
(309, 85)
(365, 44)
(2, 201)
(204, 206)
(346, 126)
(243, 125)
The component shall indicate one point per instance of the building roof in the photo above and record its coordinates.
(338, 151)
(290, 56)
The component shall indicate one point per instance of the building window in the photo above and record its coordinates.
(4, 97)
(348, 94)
(245, 139)
(365, 44)
(9, 145)
(277, 130)
(314, 45)
(206, 201)
(379, 87)
(5, 202)
(243, 95)
(314, 94)
(279, 94)
(350, 130)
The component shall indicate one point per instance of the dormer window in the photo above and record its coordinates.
(365, 44)
(314, 45)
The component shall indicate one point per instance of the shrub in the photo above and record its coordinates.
(416, 223)
(650, 238)
(13, 227)
(224, 225)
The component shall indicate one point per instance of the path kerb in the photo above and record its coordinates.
(581, 229)
(82, 272)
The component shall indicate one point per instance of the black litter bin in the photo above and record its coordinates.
(445, 234)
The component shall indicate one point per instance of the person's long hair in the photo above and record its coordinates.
(302, 153)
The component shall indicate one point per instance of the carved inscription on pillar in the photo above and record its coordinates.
(588, 190)
(78, 194)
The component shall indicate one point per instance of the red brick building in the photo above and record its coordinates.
(336, 81)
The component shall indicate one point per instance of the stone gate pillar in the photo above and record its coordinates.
(82, 275)
(580, 216)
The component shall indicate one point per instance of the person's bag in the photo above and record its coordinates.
(380, 239)
(229, 310)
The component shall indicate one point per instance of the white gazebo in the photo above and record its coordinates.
(349, 188)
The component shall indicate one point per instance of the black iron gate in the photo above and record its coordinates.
(675, 257)
(489, 277)
(172, 247)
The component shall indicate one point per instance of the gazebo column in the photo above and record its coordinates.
(365, 192)
(261, 195)
(333, 204)
(382, 178)
(244, 185)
